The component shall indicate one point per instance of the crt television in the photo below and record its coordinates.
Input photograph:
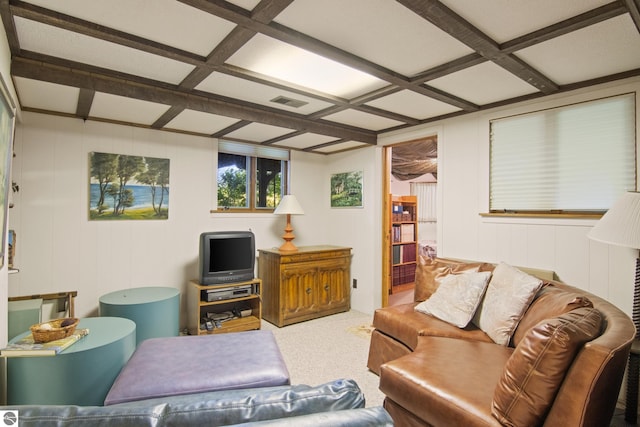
(226, 256)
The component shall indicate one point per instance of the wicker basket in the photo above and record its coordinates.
(58, 328)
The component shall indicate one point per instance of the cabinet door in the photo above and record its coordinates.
(299, 288)
(333, 284)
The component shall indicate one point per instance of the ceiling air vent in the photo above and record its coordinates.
(295, 103)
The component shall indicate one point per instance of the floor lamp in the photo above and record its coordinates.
(620, 226)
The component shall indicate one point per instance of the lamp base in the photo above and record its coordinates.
(288, 236)
(288, 247)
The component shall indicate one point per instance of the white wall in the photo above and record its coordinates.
(59, 249)
(559, 245)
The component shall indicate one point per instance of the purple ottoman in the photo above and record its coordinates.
(183, 365)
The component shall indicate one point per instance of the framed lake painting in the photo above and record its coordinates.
(125, 187)
(346, 190)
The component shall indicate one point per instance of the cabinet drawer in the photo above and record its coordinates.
(313, 256)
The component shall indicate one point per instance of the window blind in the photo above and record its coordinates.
(251, 150)
(579, 157)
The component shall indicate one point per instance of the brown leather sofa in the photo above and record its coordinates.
(436, 374)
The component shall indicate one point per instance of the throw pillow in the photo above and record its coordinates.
(457, 297)
(535, 371)
(429, 270)
(508, 295)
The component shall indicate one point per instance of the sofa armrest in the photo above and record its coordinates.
(219, 408)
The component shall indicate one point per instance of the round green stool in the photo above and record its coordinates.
(155, 310)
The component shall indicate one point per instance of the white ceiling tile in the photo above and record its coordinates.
(273, 58)
(258, 132)
(341, 146)
(190, 29)
(223, 84)
(362, 119)
(305, 141)
(380, 31)
(76, 47)
(124, 109)
(200, 122)
(483, 84)
(47, 96)
(504, 20)
(610, 47)
(245, 4)
(412, 104)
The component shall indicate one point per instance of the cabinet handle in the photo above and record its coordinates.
(308, 291)
(326, 287)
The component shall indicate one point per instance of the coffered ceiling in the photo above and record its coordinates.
(315, 75)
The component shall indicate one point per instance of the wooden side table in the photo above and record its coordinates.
(81, 374)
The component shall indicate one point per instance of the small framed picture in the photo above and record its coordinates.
(346, 190)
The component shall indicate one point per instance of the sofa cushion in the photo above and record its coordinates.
(218, 408)
(508, 295)
(405, 324)
(535, 371)
(457, 297)
(447, 382)
(428, 270)
(551, 301)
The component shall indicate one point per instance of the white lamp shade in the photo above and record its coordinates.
(289, 205)
(621, 224)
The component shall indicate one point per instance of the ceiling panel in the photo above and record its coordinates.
(362, 119)
(53, 41)
(342, 72)
(190, 29)
(258, 132)
(483, 84)
(413, 105)
(246, 90)
(122, 109)
(47, 96)
(504, 20)
(381, 31)
(304, 141)
(606, 48)
(200, 122)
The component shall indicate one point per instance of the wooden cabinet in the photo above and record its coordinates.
(303, 285)
(233, 307)
(403, 230)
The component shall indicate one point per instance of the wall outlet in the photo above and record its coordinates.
(355, 283)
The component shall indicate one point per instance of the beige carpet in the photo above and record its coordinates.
(325, 349)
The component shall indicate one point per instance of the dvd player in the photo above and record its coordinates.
(226, 293)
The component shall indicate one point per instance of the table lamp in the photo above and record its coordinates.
(288, 206)
(620, 226)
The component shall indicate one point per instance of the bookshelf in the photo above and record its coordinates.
(404, 242)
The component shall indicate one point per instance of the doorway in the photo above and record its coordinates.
(410, 171)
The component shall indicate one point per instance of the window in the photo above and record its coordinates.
(573, 159)
(251, 178)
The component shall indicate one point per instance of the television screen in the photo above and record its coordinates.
(230, 254)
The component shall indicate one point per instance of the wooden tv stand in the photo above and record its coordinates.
(197, 308)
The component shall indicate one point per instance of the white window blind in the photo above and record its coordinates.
(426, 194)
(251, 150)
(579, 157)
